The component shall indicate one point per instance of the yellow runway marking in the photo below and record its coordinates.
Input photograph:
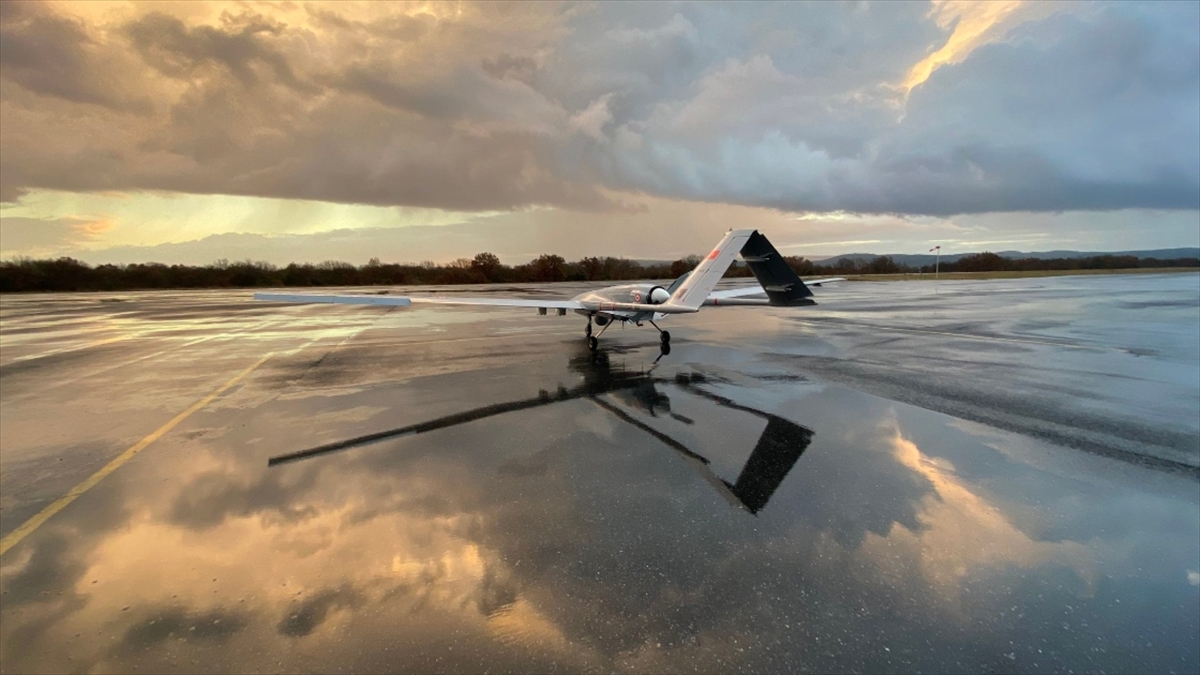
(45, 514)
(74, 348)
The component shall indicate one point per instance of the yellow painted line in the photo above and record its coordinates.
(64, 350)
(45, 514)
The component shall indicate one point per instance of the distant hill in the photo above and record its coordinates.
(920, 259)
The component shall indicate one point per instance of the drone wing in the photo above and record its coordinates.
(386, 300)
(561, 305)
(495, 302)
(405, 301)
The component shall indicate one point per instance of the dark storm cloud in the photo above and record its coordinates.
(505, 65)
(497, 107)
(256, 116)
(312, 612)
(658, 53)
(54, 56)
(240, 46)
(175, 623)
(403, 28)
(1069, 114)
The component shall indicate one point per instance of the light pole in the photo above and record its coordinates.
(937, 261)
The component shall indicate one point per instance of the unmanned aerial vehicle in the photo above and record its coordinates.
(638, 303)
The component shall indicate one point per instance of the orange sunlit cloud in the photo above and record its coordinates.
(973, 22)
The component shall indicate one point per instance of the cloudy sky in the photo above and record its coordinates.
(187, 132)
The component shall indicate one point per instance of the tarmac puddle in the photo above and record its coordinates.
(609, 511)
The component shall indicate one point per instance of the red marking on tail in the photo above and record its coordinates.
(716, 252)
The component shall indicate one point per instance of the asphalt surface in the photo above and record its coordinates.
(963, 476)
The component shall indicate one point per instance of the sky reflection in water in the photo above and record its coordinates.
(684, 518)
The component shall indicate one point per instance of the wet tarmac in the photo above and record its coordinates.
(972, 476)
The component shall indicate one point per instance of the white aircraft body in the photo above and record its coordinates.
(639, 302)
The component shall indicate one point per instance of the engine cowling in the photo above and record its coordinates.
(657, 296)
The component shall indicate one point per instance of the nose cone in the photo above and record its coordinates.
(658, 295)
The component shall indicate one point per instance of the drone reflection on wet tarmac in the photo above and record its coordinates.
(778, 448)
(564, 510)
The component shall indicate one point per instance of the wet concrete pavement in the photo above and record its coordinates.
(494, 497)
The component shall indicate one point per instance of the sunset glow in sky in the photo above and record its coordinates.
(191, 131)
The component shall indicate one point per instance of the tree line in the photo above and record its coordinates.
(68, 274)
(991, 262)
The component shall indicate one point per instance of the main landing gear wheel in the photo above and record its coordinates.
(593, 343)
(663, 335)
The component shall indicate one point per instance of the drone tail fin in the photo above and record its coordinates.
(780, 282)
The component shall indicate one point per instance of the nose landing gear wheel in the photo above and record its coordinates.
(593, 343)
(665, 337)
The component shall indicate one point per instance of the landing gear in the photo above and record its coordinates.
(663, 335)
(593, 341)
